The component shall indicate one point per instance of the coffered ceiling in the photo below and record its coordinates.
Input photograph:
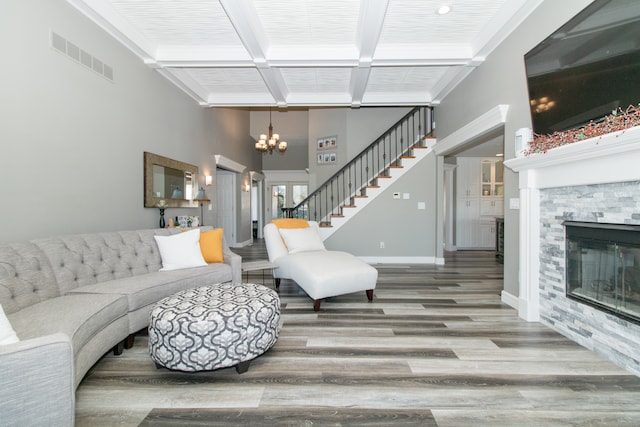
(310, 52)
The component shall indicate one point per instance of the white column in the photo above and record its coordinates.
(528, 298)
(449, 244)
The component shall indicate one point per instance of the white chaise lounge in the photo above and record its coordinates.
(299, 254)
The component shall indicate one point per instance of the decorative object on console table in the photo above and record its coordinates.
(201, 198)
(162, 205)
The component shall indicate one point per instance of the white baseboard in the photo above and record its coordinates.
(510, 300)
(399, 260)
(242, 244)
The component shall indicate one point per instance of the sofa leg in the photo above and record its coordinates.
(369, 294)
(277, 284)
(316, 304)
(128, 342)
(118, 348)
(243, 367)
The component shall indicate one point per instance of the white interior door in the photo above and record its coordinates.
(225, 184)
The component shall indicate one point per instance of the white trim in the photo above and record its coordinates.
(611, 158)
(256, 176)
(285, 175)
(449, 243)
(243, 244)
(401, 260)
(621, 150)
(487, 122)
(510, 300)
(223, 162)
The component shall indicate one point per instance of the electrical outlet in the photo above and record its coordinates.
(381, 245)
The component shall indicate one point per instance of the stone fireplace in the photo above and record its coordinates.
(603, 266)
(595, 181)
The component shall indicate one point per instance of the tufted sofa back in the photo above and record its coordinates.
(86, 259)
(34, 271)
(26, 276)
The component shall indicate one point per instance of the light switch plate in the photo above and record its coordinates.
(514, 203)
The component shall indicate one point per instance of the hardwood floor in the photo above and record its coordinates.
(436, 347)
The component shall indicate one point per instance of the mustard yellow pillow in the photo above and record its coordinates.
(211, 245)
(291, 223)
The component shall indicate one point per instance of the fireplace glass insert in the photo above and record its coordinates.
(603, 267)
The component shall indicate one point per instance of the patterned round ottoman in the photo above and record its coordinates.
(214, 326)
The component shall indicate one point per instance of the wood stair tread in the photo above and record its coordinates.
(396, 167)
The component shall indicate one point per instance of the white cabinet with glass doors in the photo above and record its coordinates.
(479, 199)
(492, 196)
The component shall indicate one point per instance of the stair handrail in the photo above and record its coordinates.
(295, 211)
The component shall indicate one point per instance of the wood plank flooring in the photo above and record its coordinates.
(436, 347)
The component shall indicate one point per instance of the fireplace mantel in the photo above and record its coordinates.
(610, 158)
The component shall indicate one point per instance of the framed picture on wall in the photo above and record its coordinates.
(327, 143)
(320, 158)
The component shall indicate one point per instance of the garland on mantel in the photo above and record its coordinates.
(616, 121)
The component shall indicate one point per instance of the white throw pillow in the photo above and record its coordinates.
(180, 250)
(7, 334)
(301, 239)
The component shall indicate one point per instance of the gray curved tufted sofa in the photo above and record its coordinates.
(73, 298)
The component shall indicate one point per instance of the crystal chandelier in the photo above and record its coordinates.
(268, 143)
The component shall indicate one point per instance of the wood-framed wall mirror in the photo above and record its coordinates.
(170, 180)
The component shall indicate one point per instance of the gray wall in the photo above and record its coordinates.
(501, 79)
(355, 130)
(73, 142)
(292, 127)
(405, 230)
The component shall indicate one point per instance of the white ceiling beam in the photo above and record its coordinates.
(275, 83)
(449, 81)
(183, 81)
(248, 26)
(244, 19)
(509, 17)
(106, 17)
(358, 84)
(370, 23)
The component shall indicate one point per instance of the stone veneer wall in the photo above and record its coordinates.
(619, 203)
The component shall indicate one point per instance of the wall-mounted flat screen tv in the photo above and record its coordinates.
(587, 68)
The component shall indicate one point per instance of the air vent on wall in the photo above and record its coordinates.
(80, 56)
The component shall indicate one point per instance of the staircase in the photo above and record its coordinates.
(369, 173)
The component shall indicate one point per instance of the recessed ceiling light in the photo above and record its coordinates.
(444, 9)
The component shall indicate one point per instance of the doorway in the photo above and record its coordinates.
(287, 195)
(226, 204)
